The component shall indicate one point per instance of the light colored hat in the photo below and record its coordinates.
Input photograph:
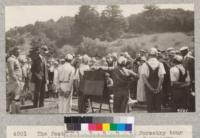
(51, 60)
(103, 59)
(44, 47)
(153, 51)
(184, 48)
(170, 49)
(142, 50)
(93, 59)
(178, 58)
(172, 52)
(114, 55)
(121, 60)
(143, 58)
(56, 62)
(22, 58)
(126, 54)
(85, 58)
(107, 74)
(68, 57)
(61, 60)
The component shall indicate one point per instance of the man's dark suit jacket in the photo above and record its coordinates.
(39, 70)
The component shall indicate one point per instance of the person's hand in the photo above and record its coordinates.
(193, 93)
(185, 85)
(94, 67)
(156, 91)
(97, 67)
(67, 94)
(152, 89)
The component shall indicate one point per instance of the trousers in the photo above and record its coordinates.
(64, 104)
(120, 100)
(39, 94)
(154, 101)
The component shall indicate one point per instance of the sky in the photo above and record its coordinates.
(23, 15)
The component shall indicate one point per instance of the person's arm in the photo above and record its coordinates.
(55, 79)
(103, 68)
(187, 81)
(173, 77)
(161, 74)
(111, 82)
(72, 78)
(146, 82)
(160, 82)
(132, 73)
(144, 73)
(11, 69)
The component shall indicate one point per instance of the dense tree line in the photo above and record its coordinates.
(108, 25)
(154, 19)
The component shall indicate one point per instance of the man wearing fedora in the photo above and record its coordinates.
(39, 75)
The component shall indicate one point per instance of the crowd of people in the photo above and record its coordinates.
(155, 78)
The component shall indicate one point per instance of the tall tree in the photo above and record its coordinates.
(86, 23)
(113, 23)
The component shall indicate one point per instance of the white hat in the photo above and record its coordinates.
(85, 58)
(56, 62)
(61, 60)
(114, 55)
(143, 58)
(126, 54)
(68, 57)
(22, 58)
(178, 58)
(153, 51)
(184, 48)
(121, 60)
(170, 49)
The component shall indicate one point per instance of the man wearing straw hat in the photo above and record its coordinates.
(153, 74)
(65, 85)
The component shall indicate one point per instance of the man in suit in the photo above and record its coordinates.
(39, 75)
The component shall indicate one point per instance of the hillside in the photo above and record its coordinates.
(160, 40)
(94, 33)
(140, 41)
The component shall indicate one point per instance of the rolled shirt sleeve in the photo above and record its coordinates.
(174, 74)
(161, 70)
